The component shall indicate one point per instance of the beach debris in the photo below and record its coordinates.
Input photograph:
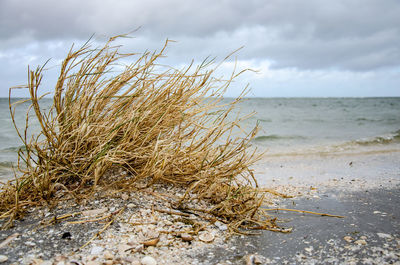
(348, 239)
(138, 248)
(3, 258)
(96, 250)
(148, 260)
(186, 237)
(123, 248)
(385, 236)
(108, 255)
(206, 237)
(253, 259)
(301, 211)
(221, 226)
(360, 242)
(30, 243)
(9, 239)
(151, 242)
(300, 257)
(257, 259)
(94, 212)
(66, 235)
(309, 249)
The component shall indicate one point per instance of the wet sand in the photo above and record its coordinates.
(362, 186)
(369, 233)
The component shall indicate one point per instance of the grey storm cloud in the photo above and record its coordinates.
(357, 35)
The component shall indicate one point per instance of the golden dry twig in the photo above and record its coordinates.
(302, 211)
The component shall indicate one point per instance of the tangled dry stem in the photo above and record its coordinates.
(157, 123)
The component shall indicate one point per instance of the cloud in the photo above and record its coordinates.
(355, 35)
(359, 36)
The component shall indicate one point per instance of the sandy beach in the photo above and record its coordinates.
(199, 132)
(362, 187)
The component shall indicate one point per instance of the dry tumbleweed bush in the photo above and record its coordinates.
(156, 123)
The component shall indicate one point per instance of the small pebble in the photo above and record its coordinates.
(206, 237)
(385, 236)
(221, 226)
(186, 237)
(253, 259)
(151, 242)
(361, 242)
(3, 258)
(108, 255)
(30, 243)
(96, 250)
(309, 249)
(348, 239)
(257, 260)
(148, 260)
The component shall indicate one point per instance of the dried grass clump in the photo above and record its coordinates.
(157, 123)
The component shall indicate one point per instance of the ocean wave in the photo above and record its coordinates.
(13, 149)
(6, 170)
(382, 139)
(331, 151)
(6, 167)
(264, 120)
(367, 119)
(5, 164)
(375, 145)
(274, 137)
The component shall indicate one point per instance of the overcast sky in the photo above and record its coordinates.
(301, 48)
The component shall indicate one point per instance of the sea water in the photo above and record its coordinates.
(288, 126)
(303, 125)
